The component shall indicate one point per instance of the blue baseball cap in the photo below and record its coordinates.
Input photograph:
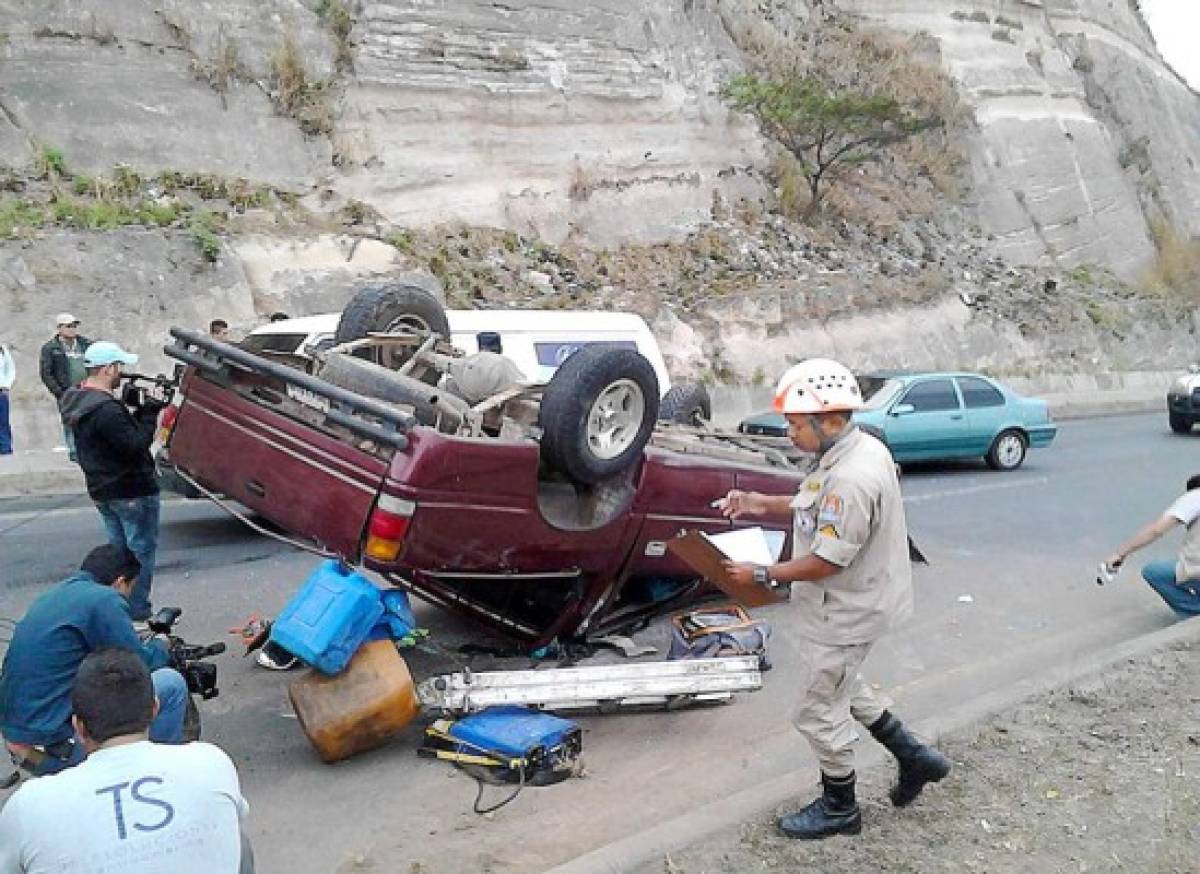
(103, 353)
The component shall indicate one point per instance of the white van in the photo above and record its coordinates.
(538, 341)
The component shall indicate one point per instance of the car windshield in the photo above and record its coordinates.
(879, 391)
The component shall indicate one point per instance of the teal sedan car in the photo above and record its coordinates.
(934, 416)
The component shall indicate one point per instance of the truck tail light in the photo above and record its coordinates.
(388, 525)
(167, 423)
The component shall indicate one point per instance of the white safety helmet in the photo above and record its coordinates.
(818, 385)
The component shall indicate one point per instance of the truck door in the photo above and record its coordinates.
(269, 446)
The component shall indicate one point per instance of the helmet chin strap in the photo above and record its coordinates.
(824, 441)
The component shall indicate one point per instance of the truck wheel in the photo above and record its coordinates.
(687, 403)
(1007, 452)
(1180, 424)
(392, 307)
(598, 412)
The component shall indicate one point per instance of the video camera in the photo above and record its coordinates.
(188, 659)
(139, 391)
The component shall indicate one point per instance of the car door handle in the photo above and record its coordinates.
(256, 488)
(956, 417)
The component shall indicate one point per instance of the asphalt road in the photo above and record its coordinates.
(1010, 589)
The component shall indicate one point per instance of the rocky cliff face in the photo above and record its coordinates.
(1083, 131)
(588, 125)
(598, 120)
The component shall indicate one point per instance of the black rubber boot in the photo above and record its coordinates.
(834, 813)
(919, 764)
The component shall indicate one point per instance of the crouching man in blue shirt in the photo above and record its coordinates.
(86, 612)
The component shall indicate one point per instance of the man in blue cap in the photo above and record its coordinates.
(113, 445)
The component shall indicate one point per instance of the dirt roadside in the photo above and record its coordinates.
(1102, 775)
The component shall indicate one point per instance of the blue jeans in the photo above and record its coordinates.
(1180, 597)
(133, 523)
(167, 728)
(5, 429)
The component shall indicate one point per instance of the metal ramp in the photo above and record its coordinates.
(601, 687)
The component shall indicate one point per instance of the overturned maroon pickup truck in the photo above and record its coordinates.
(540, 511)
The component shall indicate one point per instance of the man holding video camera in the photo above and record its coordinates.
(113, 433)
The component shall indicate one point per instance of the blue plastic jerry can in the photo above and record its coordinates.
(329, 618)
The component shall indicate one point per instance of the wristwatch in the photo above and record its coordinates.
(761, 575)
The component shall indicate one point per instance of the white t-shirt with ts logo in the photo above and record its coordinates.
(141, 807)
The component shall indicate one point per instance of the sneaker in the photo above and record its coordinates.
(275, 658)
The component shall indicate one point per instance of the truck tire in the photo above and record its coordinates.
(387, 307)
(598, 412)
(687, 403)
(1179, 424)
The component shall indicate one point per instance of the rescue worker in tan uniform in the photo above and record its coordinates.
(853, 581)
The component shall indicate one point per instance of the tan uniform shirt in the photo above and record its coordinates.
(849, 512)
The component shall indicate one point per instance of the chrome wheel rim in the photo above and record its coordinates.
(615, 419)
(1010, 450)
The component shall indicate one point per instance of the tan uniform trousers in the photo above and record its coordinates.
(832, 696)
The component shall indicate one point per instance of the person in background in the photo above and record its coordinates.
(61, 365)
(218, 329)
(1177, 582)
(8, 373)
(86, 612)
(114, 452)
(133, 805)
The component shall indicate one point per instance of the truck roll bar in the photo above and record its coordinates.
(214, 354)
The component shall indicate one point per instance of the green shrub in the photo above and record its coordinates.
(51, 163)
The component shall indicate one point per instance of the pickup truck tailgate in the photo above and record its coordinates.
(239, 443)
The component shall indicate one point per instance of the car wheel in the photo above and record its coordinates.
(1008, 451)
(687, 403)
(393, 307)
(598, 412)
(1180, 424)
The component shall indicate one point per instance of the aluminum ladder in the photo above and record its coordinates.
(603, 687)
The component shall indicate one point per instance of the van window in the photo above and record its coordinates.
(286, 344)
(555, 353)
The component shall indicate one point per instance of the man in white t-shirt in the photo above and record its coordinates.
(133, 805)
(1178, 582)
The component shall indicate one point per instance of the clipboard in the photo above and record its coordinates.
(703, 556)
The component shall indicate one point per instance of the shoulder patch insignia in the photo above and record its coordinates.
(831, 509)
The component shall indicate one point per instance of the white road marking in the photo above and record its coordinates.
(971, 490)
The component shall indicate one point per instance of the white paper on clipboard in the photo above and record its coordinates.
(751, 545)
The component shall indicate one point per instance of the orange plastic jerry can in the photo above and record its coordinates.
(360, 708)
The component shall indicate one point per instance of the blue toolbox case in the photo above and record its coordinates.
(515, 732)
